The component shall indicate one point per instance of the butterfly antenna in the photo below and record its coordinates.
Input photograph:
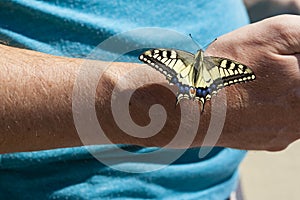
(194, 40)
(205, 46)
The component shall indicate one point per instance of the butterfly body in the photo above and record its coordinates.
(197, 77)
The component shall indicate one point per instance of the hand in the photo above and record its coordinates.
(267, 117)
(262, 114)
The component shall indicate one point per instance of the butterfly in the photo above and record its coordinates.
(198, 77)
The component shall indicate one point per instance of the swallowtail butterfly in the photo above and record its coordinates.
(198, 77)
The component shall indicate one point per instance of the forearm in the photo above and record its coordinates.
(37, 97)
(36, 102)
(35, 94)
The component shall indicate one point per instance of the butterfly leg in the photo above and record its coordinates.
(202, 105)
(178, 98)
(201, 101)
(177, 101)
(207, 45)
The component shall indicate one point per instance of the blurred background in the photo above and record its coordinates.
(272, 175)
(261, 9)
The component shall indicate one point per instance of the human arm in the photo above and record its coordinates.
(268, 116)
(36, 95)
(262, 114)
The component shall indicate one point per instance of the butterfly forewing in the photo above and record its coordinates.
(156, 61)
(232, 72)
(174, 63)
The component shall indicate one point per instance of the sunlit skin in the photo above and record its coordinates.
(36, 95)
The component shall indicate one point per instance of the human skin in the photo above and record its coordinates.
(269, 113)
(36, 95)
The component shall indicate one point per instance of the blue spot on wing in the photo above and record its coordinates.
(203, 92)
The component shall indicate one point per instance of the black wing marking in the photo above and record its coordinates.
(169, 62)
(232, 72)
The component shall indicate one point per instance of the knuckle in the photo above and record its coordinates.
(280, 26)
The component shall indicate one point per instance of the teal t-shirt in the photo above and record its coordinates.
(74, 28)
